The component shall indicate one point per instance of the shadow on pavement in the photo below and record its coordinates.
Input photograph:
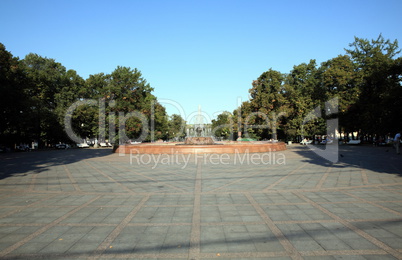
(313, 235)
(38, 161)
(376, 159)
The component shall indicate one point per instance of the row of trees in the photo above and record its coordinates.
(366, 82)
(36, 93)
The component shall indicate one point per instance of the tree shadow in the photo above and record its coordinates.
(25, 163)
(376, 159)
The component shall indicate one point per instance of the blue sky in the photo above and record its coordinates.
(193, 52)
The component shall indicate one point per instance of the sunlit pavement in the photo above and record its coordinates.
(92, 204)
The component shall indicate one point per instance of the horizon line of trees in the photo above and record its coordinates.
(366, 82)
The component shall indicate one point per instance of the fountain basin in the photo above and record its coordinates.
(199, 141)
(222, 148)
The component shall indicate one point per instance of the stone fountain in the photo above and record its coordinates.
(199, 134)
(200, 141)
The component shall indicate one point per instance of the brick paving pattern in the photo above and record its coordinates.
(91, 204)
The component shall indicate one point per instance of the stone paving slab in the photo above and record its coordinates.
(92, 204)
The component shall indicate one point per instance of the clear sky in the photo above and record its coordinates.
(193, 52)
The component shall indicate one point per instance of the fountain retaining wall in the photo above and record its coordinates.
(234, 147)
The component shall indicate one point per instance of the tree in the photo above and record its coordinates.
(268, 103)
(223, 125)
(130, 109)
(86, 119)
(243, 120)
(340, 78)
(304, 94)
(177, 127)
(15, 106)
(134, 104)
(48, 78)
(38, 91)
(95, 86)
(366, 52)
(375, 63)
(161, 123)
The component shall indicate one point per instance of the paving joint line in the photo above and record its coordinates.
(195, 235)
(294, 254)
(238, 180)
(323, 178)
(71, 178)
(152, 179)
(393, 191)
(343, 252)
(33, 181)
(27, 206)
(372, 203)
(28, 238)
(246, 255)
(376, 220)
(114, 234)
(284, 177)
(331, 189)
(346, 223)
(363, 174)
(110, 178)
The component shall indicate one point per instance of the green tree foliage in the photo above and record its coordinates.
(161, 123)
(304, 94)
(15, 107)
(378, 108)
(366, 81)
(242, 120)
(177, 127)
(130, 92)
(85, 122)
(130, 108)
(340, 78)
(37, 92)
(87, 119)
(268, 103)
(52, 89)
(94, 86)
(223, 126)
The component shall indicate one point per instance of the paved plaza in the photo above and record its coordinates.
(92, 204)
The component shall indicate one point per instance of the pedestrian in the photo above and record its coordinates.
(397, 142)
